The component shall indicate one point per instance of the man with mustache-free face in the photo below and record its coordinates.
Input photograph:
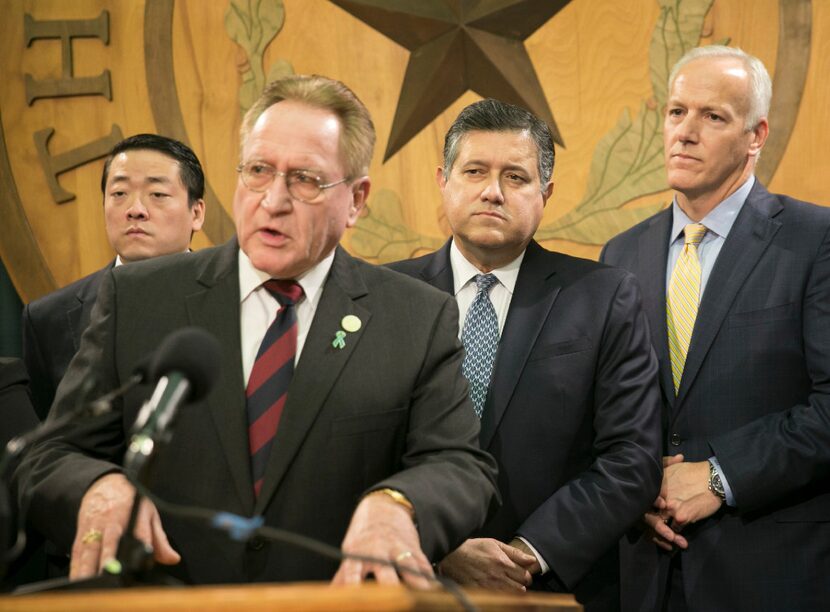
(736, 286)
(152, 188)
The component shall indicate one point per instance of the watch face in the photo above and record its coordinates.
(715, 484)
(80, 76)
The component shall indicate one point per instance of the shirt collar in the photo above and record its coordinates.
(312, 280)
(720, 219)
(464, 272)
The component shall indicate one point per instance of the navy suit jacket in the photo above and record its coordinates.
(390, 409)
(572, 415)
(755, 392)
(52, 328)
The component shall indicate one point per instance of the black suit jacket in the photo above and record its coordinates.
(52, 328)
(572, 414)
(755, 392)
(388, 410)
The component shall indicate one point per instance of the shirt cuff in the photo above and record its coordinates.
(730, 498)
(539, 558)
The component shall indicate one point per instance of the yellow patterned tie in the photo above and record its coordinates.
(683, 300)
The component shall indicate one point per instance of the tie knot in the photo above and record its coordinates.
(286, 292)
(693, 233)
(485, 281)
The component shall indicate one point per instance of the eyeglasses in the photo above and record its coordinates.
(302, 184)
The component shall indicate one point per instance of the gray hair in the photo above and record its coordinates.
(760, 85)
(496, 116)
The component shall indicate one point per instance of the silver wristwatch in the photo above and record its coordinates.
(715, 483)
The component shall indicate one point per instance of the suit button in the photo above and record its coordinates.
(676, 439)
(256, 543)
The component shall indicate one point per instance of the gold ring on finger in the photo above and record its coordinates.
(404, 555)
(92, 536)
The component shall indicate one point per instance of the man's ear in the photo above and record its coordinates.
(197, 215)
(360, 194)
(440, 178)
(759, 137)
(547, 192)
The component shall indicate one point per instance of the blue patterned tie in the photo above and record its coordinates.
(480, 338)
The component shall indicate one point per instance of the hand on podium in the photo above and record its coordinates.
(382, 528)
(102, 519)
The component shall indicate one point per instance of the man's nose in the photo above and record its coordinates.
(493, 192)
(687, 129)
(277, 198)
(137, 210)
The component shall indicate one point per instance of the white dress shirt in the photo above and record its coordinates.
(258, 308)
(464, 273)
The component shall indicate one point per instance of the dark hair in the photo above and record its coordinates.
(496, 116)
(190, 170)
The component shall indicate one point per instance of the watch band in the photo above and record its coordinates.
(715, 483)
(398, 497)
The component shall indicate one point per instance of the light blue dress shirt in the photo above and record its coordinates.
(718, 223)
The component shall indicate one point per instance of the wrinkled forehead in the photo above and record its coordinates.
(514, 144)
(721, 80)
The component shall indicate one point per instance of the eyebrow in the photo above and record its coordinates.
(118, 178)
(506, 168)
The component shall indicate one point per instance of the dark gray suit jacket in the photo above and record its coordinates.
(389, 409)
(572, 415)
(16, 413)
(52, 328)
(756, 393)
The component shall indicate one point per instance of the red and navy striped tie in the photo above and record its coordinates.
(272, 372)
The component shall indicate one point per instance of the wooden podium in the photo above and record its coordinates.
(299, 596)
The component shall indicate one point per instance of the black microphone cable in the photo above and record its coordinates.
(242, 529)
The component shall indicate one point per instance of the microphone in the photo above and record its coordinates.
(185, 365)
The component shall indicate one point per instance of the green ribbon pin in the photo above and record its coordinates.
(339, 342)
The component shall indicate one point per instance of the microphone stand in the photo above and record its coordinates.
(134, 564)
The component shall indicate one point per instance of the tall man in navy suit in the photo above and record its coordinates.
(743, 517)
(560, 365)
(153, 188)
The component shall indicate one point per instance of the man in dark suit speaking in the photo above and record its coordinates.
(560, 365)
(340, 412)
(153, 188)
(736, 284)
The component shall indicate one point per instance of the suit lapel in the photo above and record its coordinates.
(653, 250)
(318, 369)
(535, 292)
(747, 241)
(215, 306)
(438, 270)
(78, 316)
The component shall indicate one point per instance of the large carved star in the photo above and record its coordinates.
(455, 46)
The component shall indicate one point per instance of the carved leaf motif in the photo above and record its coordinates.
(279, 69)
(382, 235)
(628, 161)
(253, 24)
(678, 30)
(627, 164)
